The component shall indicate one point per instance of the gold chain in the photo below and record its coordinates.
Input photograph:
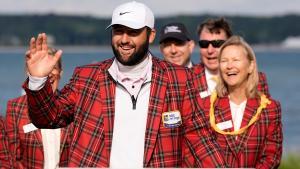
(264, 101)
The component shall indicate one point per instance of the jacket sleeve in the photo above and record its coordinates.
(52, 110)
(272, 150)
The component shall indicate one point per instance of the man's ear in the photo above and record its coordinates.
(61, 73)
(191, 45)
(152, 35)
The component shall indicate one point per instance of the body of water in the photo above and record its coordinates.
(281, 67)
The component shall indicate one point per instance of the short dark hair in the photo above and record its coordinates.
(215, 25)
(148, 30)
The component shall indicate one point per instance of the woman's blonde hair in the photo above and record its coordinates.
(252, 81)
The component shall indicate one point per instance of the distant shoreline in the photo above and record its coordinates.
(68, 49)
(106, 48)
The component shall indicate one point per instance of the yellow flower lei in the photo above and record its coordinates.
(264, 101)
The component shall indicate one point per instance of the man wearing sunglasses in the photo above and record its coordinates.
(212, 34)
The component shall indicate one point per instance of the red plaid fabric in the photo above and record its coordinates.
(27, 148)
(261, 145)
(89, 101)
(5, 158)
(201, 84)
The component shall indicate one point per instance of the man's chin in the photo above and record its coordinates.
(125, 58)
(122, 60)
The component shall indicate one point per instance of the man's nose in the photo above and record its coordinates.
(125, 38)
(210, 48)
(173, 48)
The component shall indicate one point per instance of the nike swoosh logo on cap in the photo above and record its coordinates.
(122, 13)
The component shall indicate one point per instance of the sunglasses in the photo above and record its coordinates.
(214, 43)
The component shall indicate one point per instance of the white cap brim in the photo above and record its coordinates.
(130, 24)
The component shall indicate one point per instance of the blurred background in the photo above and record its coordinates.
(78, 28)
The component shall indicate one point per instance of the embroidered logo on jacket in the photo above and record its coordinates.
(171, 119)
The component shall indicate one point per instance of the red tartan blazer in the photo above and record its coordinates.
(201, 84)
(27, 148)
(260, 146)
(89, 101)
(5, 158)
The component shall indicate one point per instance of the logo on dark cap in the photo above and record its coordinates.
(169, 29)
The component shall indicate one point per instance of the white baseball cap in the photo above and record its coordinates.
(134, 15)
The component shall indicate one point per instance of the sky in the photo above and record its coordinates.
(160, 8)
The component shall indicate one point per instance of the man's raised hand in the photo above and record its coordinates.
(39, 63)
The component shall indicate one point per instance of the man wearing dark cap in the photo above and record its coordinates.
(176, 44)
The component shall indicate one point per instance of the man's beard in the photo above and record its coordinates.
(137, 57)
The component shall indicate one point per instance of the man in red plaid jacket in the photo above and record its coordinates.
(131, 111)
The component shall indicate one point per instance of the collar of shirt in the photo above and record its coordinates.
(132, 77)
(237, 113)
(189, 64)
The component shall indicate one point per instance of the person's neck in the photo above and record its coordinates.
(213, 72)
(237, 95)
(134, 70)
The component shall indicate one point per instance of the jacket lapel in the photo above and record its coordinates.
(107, 95)
(250, 111)
(156, 102)
(199, 73)
(65, 136)
(223, 113)
(37, 134)
(203, 80)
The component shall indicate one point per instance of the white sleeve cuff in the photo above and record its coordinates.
(36, 83)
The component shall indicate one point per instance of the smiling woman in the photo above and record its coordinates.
(247, 123)
(238, 69)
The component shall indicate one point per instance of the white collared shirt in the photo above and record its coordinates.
(127, 150)
(237, 113)
(189, 64)
(211, 84)
(51, 147)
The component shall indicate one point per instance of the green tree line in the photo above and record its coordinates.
(16, 30)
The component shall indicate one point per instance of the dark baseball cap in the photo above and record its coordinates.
(174, 31)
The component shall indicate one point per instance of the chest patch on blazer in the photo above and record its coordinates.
(171, 119)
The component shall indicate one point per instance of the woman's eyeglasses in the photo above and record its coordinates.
(214, 43)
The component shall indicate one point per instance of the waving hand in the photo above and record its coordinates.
(39, 62)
